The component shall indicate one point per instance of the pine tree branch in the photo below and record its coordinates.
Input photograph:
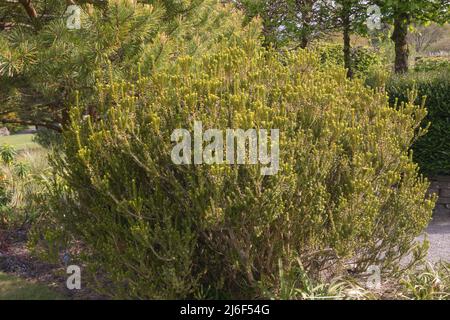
(51, 126)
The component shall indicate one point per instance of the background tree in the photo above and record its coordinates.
(422, 37)
(404, 13)
(296, 22)
(289, 22)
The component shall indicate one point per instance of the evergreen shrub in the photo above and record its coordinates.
(347, 194)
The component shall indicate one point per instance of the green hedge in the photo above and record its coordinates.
(431, 151)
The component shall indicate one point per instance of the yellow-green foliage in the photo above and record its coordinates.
(347, 190)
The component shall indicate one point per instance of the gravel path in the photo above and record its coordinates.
(439, 235)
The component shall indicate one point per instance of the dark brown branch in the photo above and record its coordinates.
(29, 8)
(6, 25)
(51, 126)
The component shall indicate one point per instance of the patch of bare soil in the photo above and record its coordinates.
(16, 259)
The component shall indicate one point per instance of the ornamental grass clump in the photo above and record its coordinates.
(347, 194)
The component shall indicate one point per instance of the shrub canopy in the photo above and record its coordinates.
(347, 191)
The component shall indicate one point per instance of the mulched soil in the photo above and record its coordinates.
(16, 259)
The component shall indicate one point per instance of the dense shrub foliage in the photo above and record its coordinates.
(363, 59)
(47, 138)
(431, 151)
(347, 194)
(432, 64)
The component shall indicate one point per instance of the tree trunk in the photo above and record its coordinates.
(305, 7)
(399, 36)
(304, 41)
(347, 46)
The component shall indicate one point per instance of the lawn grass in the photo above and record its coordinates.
(14, 288)
(19, 141)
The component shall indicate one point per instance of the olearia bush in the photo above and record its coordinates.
(347, 194)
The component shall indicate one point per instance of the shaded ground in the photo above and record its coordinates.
(38, 277)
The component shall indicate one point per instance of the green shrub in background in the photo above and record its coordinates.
(363, 59)
(347, 194)
(14, 128)
(47, 138)
(330, 53)
(432, 151)
(427, 64)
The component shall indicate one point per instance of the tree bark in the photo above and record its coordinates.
(399, 36)
(65, 118)
(305, 8)
(304, 41)
(347, 45)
